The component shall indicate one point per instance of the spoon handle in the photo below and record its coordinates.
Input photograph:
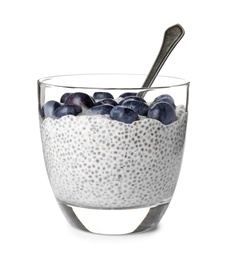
(171, 37)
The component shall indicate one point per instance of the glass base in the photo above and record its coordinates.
(114, 221)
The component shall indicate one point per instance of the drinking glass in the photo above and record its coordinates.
(109, 175)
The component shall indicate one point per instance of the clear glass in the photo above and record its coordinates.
(112, 177)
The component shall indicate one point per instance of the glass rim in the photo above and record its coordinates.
(42, 81)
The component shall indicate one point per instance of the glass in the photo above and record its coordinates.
(109, 176)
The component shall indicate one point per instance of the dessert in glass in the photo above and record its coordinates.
(112, 156)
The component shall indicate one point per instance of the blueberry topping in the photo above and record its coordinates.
(162, 111)
(65, 110)
(102, 95)
(49, 108)
(164, 98)
(128, 110)
(139, 107)
(64, 97)
(131, 97)
(108, 101)
(79, 99)
(100, 110)
(123, 114)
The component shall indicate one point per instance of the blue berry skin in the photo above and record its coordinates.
(102, 95)
(139, 107)
(49, 108)
(127, 94)
(131, 97)
(106, 101)
(162, 111)
(65, 110)
(79, 99)
(124, 114)
(100, 110)
(64, 97)
(164, 98)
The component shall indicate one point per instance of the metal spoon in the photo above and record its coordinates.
(171, 38)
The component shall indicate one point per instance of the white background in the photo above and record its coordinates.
(43, 38)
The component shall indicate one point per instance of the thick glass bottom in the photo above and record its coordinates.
(114, 221)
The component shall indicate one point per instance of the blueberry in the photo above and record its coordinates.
(127, 94)
(123, 114)
(164, 98)
(65, 110)
(64, 97)
(108, 101)
(79, 99)
(100, 110)
(162, 111)
(131, 97)
(139, 107)
(48, 108)
(102, 95)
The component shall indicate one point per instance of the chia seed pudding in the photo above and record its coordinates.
(96, 162)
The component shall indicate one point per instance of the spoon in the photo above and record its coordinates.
(171, 38)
